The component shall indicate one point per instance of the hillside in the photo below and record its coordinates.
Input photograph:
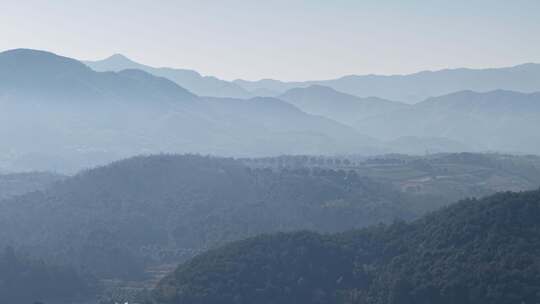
(476, 251)
(345, 108)
(493, 121)
(189, 79)
(26, 280)
(131, 217)
(445, 177)
(116, 220)
(414, 88)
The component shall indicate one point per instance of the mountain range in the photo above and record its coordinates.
(462, 121)
(409, 88)
(70, 116)
(59, 106)
(496, 120)
(419, 86)
(189, 79)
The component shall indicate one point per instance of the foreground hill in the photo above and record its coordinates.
(189, 79)
(26, 280)
(116, 220)
(476, 251)
(417, 87)
(61, 109)
(496, 120)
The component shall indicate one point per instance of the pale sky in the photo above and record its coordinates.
(282, 39)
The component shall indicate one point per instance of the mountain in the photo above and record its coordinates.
(497, 120)
(189, 79)
(341, 107)
(37, 76)
(116, 220)
(413, 88)
(462, 121)
(476, 251)
(73, 117)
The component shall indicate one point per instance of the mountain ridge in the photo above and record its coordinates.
(415, 87)
(498, 120)
(326, 101)
(190, 79)
(130, 112)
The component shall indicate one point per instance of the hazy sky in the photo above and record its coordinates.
(284, 39)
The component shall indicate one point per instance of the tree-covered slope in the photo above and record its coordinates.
(24, 280)
(476, 251)
(117, 219)
(281, 268)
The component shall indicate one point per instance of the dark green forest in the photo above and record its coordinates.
(129, 223)
(475, 251)
(116, 220)
(26, 280)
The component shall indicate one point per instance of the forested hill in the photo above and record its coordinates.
(476, 251)
(116, 220)
(24, 280)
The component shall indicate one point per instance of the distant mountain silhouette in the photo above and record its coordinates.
(189, 79)
(497, 120)
(32, 75)
(58, 106)
(345, 108)
(69, 116)
(416, 87)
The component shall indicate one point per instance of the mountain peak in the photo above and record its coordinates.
(119, 58)
(116, 62)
